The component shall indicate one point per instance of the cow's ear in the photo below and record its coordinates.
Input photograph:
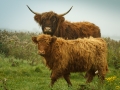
(34, 39)
(37, 18)
(62, 19)
(53, 39)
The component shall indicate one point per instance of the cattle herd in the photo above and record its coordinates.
(70, 47)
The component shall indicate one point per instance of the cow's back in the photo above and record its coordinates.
(81, 51)
(76, 30)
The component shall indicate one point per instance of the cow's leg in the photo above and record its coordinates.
(89, 75)
(102, 78)
(54, 77)
(67, 78)
(102, 72)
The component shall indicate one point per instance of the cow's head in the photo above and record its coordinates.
(49, 21)
(44, 43)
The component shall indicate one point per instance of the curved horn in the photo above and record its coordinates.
(32, 10)
(66, 12)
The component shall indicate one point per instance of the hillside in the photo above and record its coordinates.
(21, 68)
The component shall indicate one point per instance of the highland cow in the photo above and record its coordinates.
(80, 55)
(55, 24)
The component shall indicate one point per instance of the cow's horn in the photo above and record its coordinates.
(32, 10)
(66, 12)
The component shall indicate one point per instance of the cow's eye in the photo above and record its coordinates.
(43, 20)
(53, 19)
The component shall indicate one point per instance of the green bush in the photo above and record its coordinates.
(113, 53)
(19, 45)
(4, 49)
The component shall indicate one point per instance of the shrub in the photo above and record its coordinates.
(19, 45)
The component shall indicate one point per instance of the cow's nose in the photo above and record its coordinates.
(41, 52)
(47, 29)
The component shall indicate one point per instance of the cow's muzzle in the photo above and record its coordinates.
(47, 30)
(41, 52)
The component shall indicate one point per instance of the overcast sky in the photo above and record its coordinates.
(14, 14)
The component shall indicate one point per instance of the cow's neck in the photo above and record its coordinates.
(48, 54)
(49, 61)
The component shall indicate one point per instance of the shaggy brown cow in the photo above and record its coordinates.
(55, 24)
(79, 55)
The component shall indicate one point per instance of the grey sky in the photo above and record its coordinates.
(15, 15)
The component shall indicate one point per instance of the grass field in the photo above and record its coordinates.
(16, 74)
(22, 69)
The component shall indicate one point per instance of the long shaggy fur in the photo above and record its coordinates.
(68, 30)
(79, 55)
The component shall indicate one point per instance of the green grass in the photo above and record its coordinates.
(23, 76)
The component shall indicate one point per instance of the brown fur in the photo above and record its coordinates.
(79, 55)
(68, 30)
